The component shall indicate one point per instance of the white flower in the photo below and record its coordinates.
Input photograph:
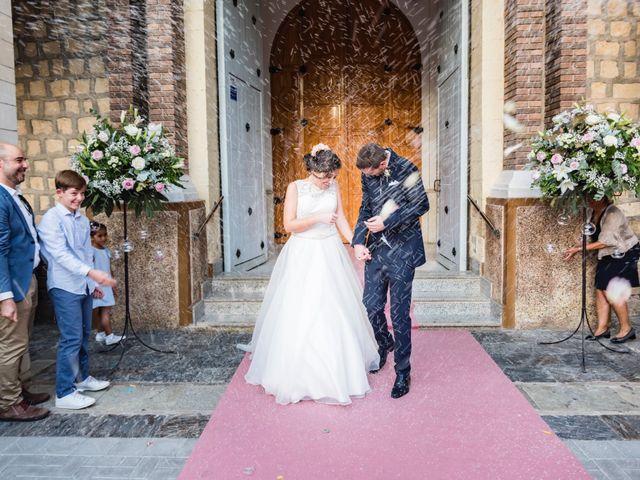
(610, 141)
(566, 185)
(131, 130)
(138, 163)
(561, 172)
(561, 118)
(123, 115)
(536, 175)
(592, 119)
(155, 128)
(614, 116)
(319, 147)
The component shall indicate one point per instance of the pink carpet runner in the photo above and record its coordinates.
(463, 419)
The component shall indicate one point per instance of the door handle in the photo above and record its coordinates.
(436, 185)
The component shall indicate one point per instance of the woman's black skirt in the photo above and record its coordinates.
(625, 267)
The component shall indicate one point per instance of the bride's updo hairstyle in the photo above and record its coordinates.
(322, 160)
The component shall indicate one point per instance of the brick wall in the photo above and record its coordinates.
(166, 68)
(60, 50)
(524, 71)
(147, 66)
(613, 63)
(566, 55)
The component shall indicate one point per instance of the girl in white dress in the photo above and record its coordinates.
(312, 339)
(102, 261)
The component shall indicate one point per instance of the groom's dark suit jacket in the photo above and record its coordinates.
(402, 228)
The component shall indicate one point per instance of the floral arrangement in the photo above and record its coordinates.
(132, 163)
(586, 153)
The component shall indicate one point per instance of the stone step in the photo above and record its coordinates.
(234, 288)
(442, 310)
(432, 320)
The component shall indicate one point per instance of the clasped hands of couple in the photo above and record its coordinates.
(374, 224)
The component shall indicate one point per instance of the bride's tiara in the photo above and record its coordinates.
(318, 148)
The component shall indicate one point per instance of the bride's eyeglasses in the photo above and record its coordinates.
(325, 176)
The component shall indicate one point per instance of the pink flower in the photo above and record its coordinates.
(134, 150)
(574, 165)
(635, 142)
(128, 183)
(541, 156)
(97, 154)
(159, 187)
(556, 158)
(86, 179)
(148, 147)
(587, 137)
(623, 168)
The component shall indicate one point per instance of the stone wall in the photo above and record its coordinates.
(613, 63)
(60, 50)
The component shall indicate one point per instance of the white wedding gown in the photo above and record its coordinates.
(312, 339)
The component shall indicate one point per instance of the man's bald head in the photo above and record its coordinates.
(13, 165)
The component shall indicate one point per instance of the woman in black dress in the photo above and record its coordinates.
(618, 253)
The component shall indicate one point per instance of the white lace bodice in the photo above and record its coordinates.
(313, 201)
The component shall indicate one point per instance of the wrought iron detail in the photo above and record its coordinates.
(276, 131)
(388, 121)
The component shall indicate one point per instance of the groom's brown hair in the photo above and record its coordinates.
(370, 155)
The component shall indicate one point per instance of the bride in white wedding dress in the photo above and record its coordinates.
(312, 339)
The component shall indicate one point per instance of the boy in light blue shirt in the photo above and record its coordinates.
(71, 281)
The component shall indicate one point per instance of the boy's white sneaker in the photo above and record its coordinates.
(74, 401)
(112, 339)
(101, 337)
(91, 384)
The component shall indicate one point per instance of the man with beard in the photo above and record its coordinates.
(19, 256)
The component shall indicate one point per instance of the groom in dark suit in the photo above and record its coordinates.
(389, 238)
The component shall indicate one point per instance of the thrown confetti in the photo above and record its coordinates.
(618, 291)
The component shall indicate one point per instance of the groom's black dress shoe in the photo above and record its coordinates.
(383, 357)
(401, 387)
